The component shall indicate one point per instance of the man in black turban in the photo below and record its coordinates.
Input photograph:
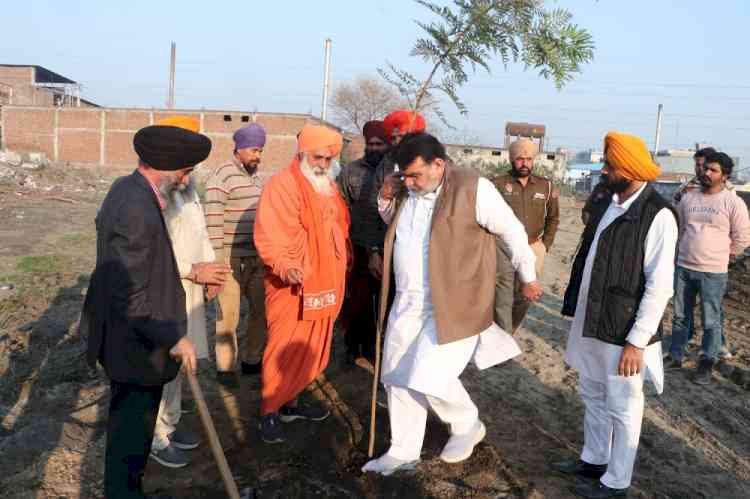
(134, 313)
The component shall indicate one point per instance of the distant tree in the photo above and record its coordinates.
(473, 31)
(366, 98)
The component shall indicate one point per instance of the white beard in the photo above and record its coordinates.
(318, 178)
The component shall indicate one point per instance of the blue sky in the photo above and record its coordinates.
(689, 55)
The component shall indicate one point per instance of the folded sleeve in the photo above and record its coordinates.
(658, 267)
(494, 214)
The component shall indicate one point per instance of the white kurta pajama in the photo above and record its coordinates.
(614, 404)
(187, 230)
(417, 372)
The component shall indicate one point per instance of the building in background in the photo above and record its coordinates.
(681, 162)
(477, 156)
(104, 136)
(492, 160)
(29, 85)
(589, 157)
(520, 130)
(579, 171)
(42, 112)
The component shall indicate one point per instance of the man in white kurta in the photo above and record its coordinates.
(195, 256)
(611, 392)
(419, 373)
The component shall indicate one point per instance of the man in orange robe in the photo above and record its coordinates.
(302, 235)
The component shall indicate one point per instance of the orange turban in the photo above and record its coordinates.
(630, 156)
(317, 137)
(181, 122)
(405, 121)
(523, 147)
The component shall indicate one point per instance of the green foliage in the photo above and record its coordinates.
(46, 264)
(467, 36)
(491, 170)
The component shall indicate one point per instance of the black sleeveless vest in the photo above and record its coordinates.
(617, 278)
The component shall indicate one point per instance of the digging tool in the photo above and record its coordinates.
(213, 440)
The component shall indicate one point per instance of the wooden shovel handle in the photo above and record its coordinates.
(213, 438)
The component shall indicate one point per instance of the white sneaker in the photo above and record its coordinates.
(387, 465)
(460, 447)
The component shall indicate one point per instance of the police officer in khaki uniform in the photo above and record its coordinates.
(534, 201)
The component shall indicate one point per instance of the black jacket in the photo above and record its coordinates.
(618, 281)
(135, 306)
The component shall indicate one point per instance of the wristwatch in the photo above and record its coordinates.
(373, 250)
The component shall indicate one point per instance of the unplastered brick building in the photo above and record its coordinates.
(30, 85)
(104, 136)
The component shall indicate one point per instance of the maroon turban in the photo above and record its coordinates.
(375, 128)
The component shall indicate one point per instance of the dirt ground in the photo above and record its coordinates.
(695, 441)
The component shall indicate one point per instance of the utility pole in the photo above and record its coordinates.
(658, 130)
(326, 80)
(170, 100)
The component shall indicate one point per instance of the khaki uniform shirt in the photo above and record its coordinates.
(536, 205)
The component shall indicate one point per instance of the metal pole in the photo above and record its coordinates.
(170, 101)
(658, 130)
(78, 95)
(326, 80)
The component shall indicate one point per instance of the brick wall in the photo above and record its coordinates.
(21, 79)
(90, 136)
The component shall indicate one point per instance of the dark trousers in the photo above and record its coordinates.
(504, 286)
(130, 430)
(360, 307)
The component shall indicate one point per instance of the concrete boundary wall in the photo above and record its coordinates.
(104, 136)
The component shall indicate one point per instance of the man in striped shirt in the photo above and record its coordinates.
(232, 195)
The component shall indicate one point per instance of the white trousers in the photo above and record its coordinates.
(612, 425)
(170, 410)
(407, 409)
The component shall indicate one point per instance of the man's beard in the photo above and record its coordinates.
(317, 176)
(167, 185)
(424, 190)
(705, 181)
(521, 172)
(251, 166)
(617, 186)
(373, 158)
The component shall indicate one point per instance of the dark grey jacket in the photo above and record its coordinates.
(134, 311)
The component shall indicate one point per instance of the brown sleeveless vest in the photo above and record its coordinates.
(462, 260)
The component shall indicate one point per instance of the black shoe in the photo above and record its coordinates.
(228, 379)
(251, 369)
(170, 456)
(673, 364)
(270, 429)
(184, 439)
(598, 490)
(580, 468)
(704, 373)
(310, 412)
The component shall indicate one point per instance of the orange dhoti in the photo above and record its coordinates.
(298, 228)
(296, 353)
